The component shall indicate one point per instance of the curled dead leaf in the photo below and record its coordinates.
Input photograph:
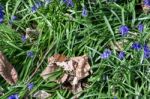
(41, 94)
(48, 70)
(83, 67)
(75, 68)
(7, 71)
(57, 58)
(52, 66)
(63, 78)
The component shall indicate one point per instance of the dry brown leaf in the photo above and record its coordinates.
(7, 71)
(75, 68)
(83, 67)
(77, 88)
(60, 57)
(118, 45)
(63, 78)
(57, 58)
(41, 94)
(67, 65)
(52, 65)
(48, 70)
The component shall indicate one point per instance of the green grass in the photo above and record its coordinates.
(63, 30)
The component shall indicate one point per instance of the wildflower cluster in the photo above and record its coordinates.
(1, 15)
(136, 45)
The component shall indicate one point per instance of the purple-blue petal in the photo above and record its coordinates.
(14, 96)
(34, 9)
(23, 38)
(84, 12)
(124, 30)
(30, 86)
(13, 17)
(136, 46)
(106, 54)
(30, 54)
(38, 4)
(1, 20)
(69, 3)
(146, 51)
(141, 27)
(121, 55)
(47, 1)
(146, 2)
(1, 16)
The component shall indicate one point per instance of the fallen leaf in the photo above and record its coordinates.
(75, 68)
(60, 57)
(77, 88)
(52, 66)
(41, 94)
(57, 58)
(48, 70)
(63, 79)
(7, 71)
(83, 67)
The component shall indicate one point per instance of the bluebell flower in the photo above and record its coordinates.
(146, 48)
(30, 86)
(1, 16)
(12, 19)
(124, 30)
(115, 97)
(106, 54)
(14, 96)
(38, 4)
(84, 12)
(47, 1)
(146, 51)
(1, 7)
(136, 46)
(30, 54)
(1, 20)
(34, 9)
(23, 38)
(141, 27)
(69, 3)
(121, 55)
(1, 13)
(146, 2)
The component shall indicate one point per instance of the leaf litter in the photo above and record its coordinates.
(41, 94)
(7, 71)
(76, 69)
